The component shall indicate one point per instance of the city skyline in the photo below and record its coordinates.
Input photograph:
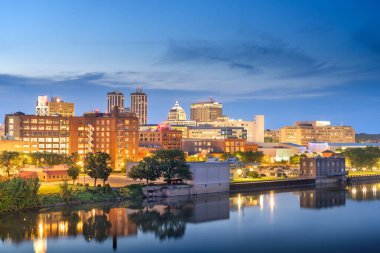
(289, 61)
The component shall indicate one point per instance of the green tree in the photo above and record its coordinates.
(147, 169)
(11, 161)
(250, 156)
(74, 168)
(172, 164)
(97, 166)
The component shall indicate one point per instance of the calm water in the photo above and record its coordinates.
(309, 220)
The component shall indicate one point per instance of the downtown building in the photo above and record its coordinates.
(114, 133)
(304, 132)
(160, 137)
(55, 107)
(115, 99)
(139, 106)
(206, 111)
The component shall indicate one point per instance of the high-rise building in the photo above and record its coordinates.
(206, 111)
(115, 99)
(115, 134)
(310, 131)
(56, 106)
(139, 105)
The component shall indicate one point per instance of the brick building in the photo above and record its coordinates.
(114, 133)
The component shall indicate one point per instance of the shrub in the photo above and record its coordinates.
(131, 191)
(17, 194)
(65, 193)
(253, 174)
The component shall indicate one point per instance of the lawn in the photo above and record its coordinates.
(243, 180)
(363, 173)
(51, 188)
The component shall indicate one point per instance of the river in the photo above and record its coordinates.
(334, 219)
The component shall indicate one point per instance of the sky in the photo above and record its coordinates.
(289, 60)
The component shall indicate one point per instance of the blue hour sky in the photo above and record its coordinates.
(289, 60)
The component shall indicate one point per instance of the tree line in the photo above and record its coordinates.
(168, 164)
(96, 165)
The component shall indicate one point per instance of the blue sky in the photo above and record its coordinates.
(289, 60)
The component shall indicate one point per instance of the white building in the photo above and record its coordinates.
(255, 128)
(42, 107)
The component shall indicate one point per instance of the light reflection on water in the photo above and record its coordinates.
(216, 220)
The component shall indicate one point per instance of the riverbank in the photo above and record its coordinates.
(21, 195)
(271, 185)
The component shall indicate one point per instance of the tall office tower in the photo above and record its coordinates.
(115, 98)
(42, 107)
(139, 105)
(206, 111)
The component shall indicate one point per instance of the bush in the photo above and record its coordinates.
(17, 194)
(99, 186)
(79, 184)
(107, 189)
(132, 191)
(65, 193)
(253, 174)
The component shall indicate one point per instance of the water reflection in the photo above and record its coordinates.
(166, 219)
(364, 192)
(323, 197)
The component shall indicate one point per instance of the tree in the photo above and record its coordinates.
(363, 158)
(10, 161)
(74, 168)
(148, 169)
(250, 156)
(172, 164)
(97, 166)
(73, 172)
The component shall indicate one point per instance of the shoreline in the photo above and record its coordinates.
(235, 188)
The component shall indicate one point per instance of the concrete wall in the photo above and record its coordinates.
(210, 177)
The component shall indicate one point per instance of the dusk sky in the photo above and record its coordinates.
(289, 60)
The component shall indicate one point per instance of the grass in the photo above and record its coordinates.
(243, 180)
(54, 188)
(363, 173)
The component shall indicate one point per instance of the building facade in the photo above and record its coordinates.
(115, 99)
(208, 132)
(161, 138)
(216, 146)
(254, 128)
(316, 131)
(206, 111)
(115, 134)
(139, 106)
(323, 169)
(56, 106)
